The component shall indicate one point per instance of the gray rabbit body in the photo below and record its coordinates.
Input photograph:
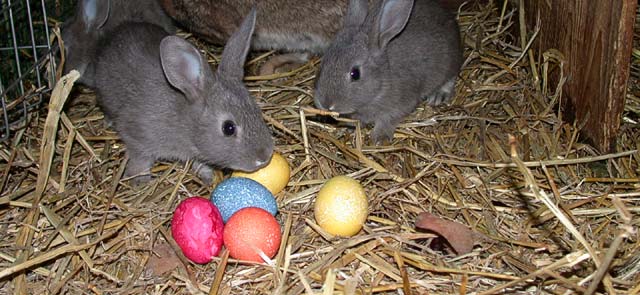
(93, 19)
(289, 25)
(297, 29)
(385, 62)
(166, 103)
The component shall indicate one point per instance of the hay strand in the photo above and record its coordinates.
(550, 214)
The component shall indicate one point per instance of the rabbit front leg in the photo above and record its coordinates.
(204, 171)
(383, 129)
(443, 94)
(138, 166)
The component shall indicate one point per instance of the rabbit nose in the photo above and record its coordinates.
(260, 163)
(264, 156)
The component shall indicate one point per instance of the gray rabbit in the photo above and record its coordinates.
(301, 28)
(93, 19)
(387, 60)
(166, 103)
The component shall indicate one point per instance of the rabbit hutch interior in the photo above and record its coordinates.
(135, 134)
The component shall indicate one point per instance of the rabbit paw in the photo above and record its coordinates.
(140, 181)
(442, 95)
(283, 63)
(382, 133)
(107, 123)
(139, 168)
(204, 171)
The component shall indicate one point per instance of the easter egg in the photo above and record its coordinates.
(274, 176)
(251, 231)
(236, 193)
(197, 228)
(341, 206)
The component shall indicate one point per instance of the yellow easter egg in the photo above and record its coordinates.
(274, 176)
(341, 207)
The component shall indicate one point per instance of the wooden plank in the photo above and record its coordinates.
(596, 38)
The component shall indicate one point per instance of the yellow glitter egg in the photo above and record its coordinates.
(274, 176)
(341, 206)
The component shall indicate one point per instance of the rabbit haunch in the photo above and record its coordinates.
(288, 25)
(166, 103)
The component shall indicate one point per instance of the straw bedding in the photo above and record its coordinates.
(550, 215)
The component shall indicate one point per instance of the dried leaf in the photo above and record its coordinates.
(458, 235)
(163, 260)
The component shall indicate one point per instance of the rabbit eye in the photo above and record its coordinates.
(355, 74)
(228, 128)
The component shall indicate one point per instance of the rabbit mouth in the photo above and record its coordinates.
(250, 166)
(345, 112)
(334, 108)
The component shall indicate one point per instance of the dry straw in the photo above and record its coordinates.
(555, 216)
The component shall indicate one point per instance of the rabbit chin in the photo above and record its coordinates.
(247, 163)
(340, 109)
(248, 166)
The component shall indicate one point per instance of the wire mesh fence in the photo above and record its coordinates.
(26, 71)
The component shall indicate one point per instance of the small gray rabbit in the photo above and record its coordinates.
(301, 28)
(163, 99)
(93, 19)
(387, 60)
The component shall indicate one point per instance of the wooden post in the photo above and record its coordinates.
(596, 37)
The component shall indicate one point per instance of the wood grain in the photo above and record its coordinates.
(596, 39)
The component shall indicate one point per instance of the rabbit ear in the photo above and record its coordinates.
(94, 13)
(356, 13)
(392, 18)
(235, 52)
(183, 66)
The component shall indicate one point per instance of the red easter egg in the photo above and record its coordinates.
(250, 231)
(197, 228)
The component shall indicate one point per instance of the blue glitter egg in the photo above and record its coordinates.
(236, 193)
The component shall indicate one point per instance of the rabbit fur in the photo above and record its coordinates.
(388, 59)
(166, 103)
(288, 25)
(93, 19)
